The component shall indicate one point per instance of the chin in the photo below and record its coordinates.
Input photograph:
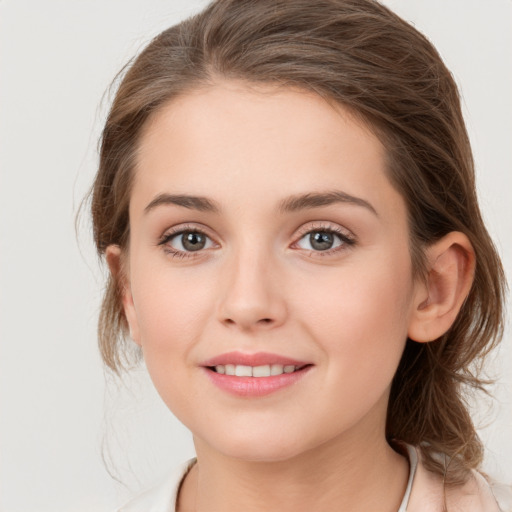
(259, 448)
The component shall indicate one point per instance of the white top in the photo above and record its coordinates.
(413, 464)
(424, 493)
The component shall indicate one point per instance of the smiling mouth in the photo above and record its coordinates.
(257, 379)
(267, 370)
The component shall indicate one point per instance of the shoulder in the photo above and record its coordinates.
(162, 497)
(430, 495)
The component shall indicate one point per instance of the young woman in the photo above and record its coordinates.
(286, 202)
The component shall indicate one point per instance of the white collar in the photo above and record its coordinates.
(413, 464)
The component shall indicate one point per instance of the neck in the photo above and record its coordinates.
(342, 474)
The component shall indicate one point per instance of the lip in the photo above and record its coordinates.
(253, 387)
(256, 359)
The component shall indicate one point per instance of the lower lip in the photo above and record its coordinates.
(255, 386)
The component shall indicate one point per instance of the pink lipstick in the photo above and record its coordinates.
(253, 375)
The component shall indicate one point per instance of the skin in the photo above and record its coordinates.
(260, 286)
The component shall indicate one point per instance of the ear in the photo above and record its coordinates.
(114, 257)
(438, 299)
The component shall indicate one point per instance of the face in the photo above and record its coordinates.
(266, 240)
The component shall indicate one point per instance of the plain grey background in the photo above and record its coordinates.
(57, 58)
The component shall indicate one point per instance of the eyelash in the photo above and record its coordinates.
(346, 239)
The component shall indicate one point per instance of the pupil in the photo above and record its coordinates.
(321, 240)
(193, 241)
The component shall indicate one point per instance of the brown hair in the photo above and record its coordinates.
(361, 55)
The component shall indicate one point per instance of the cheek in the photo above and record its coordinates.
(171, 306)
(360, 315)
(172, 313)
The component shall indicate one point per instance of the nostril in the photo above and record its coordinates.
(261, 322)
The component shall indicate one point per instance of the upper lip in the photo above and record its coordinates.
(256, 359)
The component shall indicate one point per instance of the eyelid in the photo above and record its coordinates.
(176, 230)
(345, 233)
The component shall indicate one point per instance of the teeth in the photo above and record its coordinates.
(276, 369)
(266, 370)
(261, 371)
(243, 371)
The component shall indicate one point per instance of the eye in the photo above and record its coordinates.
(324, 240)
(187, 241)
(319, 241)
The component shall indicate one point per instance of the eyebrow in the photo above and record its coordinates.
(290, 204)
(319, 199)
(202, 204)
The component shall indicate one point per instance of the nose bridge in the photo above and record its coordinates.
(251, 296)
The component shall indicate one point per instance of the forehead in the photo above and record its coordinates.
(261, 142)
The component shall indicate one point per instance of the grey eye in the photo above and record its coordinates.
(320, 241)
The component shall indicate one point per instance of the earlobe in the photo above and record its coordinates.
(438, 300)
(113, 256)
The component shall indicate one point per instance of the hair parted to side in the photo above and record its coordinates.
(361, 55)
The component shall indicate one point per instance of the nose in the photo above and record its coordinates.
(253, 296)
